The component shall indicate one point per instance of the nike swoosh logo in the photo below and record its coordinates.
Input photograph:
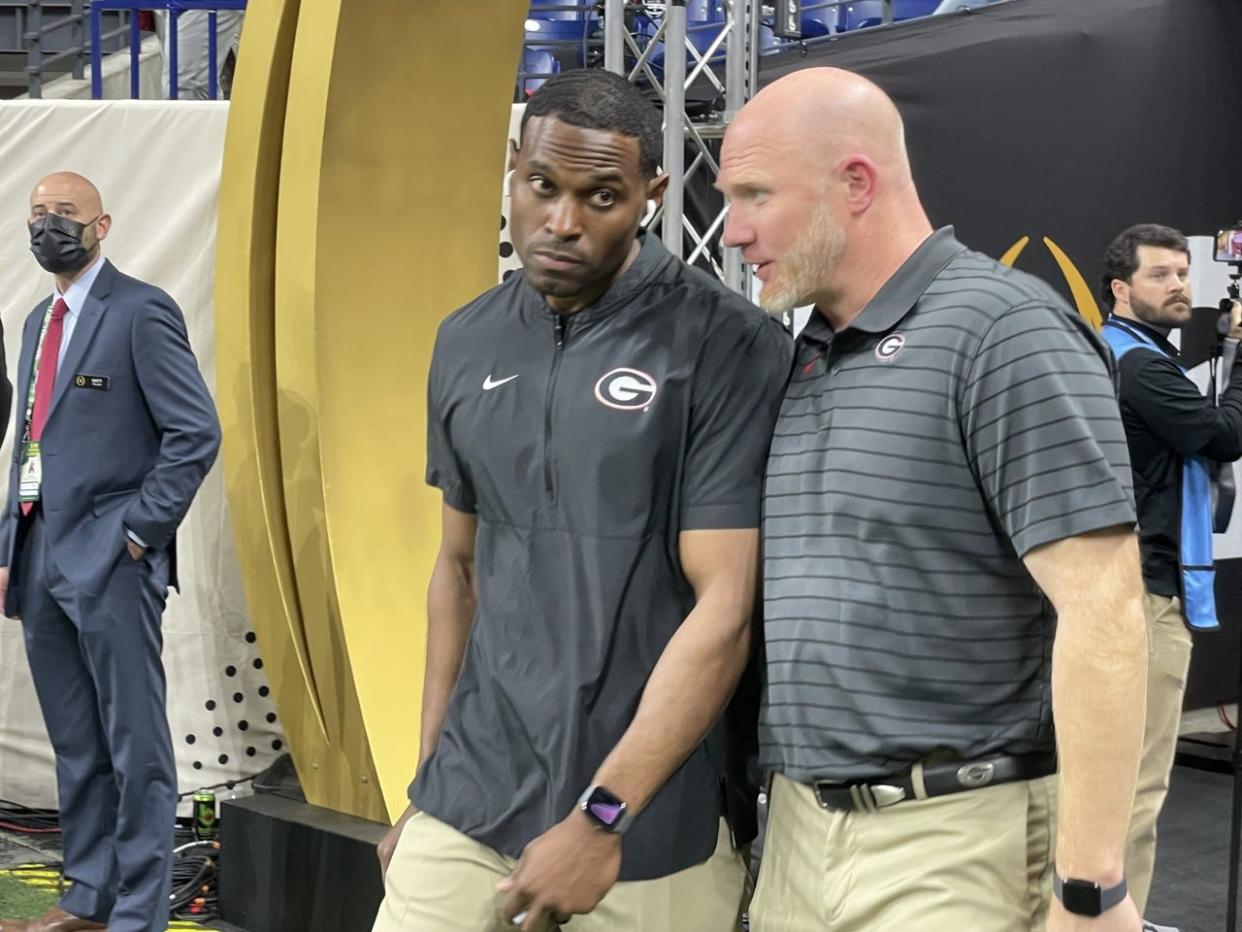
(488, 384)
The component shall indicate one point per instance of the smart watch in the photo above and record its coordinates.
(604, 809)
(1085, 897)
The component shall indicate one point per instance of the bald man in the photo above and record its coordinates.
(115, 431)
(949, 554)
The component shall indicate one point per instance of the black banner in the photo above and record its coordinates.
(1065, 122)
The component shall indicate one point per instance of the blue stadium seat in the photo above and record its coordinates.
(542, 23)
(703, 19)
(767, 40)
(956, 6)
(705, 11)
(706, 15)
(562, 29)
(559, 29)
(702, 39)
(864, 13)
(644, 28)
(861, 14)
(912, 9)
(819, 23)
(701, 33)
(537, 61)
(814, 25)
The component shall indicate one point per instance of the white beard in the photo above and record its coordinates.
(801, 272)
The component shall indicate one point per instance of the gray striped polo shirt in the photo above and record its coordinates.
(965, 417)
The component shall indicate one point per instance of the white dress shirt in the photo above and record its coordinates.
(75, 299)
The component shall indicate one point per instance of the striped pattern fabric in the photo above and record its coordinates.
(966, 417)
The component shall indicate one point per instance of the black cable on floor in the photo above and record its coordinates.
(194, 891)
(15, 817)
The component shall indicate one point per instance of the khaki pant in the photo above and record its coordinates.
(1168, 660)
(977, 861)
(442, 881)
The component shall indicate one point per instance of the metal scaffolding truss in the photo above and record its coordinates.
(634, 35)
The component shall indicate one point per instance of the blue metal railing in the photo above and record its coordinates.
(174, 8)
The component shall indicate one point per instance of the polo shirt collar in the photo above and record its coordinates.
(900, 293)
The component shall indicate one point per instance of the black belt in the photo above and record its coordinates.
(938, 780)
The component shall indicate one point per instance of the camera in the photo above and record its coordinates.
(1229, 250)
(1229, 245)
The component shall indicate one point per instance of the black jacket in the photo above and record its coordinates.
(586, 444)
(1167, 420)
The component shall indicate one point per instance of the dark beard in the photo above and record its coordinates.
(1161, 317)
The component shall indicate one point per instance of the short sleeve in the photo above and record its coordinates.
(736, 398)
(444, 469)
(1042, 428)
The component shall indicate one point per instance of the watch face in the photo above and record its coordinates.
(1081, 897)
(605, 808)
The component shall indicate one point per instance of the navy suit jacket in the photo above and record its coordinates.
(6, 391)
(131, 433)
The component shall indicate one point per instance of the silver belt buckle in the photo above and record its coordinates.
(975, 776)
(870, 797)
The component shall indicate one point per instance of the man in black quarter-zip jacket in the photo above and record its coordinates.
(598, 425)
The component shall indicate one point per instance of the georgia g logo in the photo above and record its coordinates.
(626, 390)
(889, 347)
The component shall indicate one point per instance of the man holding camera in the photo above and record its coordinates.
(1174, 434)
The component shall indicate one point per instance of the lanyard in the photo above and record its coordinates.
(1213, 360)
(34, 372)
(1141, 337)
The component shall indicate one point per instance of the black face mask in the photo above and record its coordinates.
(57, 244)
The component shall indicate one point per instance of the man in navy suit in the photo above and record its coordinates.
(115, 431)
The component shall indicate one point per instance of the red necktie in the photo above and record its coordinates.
(45, 377)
